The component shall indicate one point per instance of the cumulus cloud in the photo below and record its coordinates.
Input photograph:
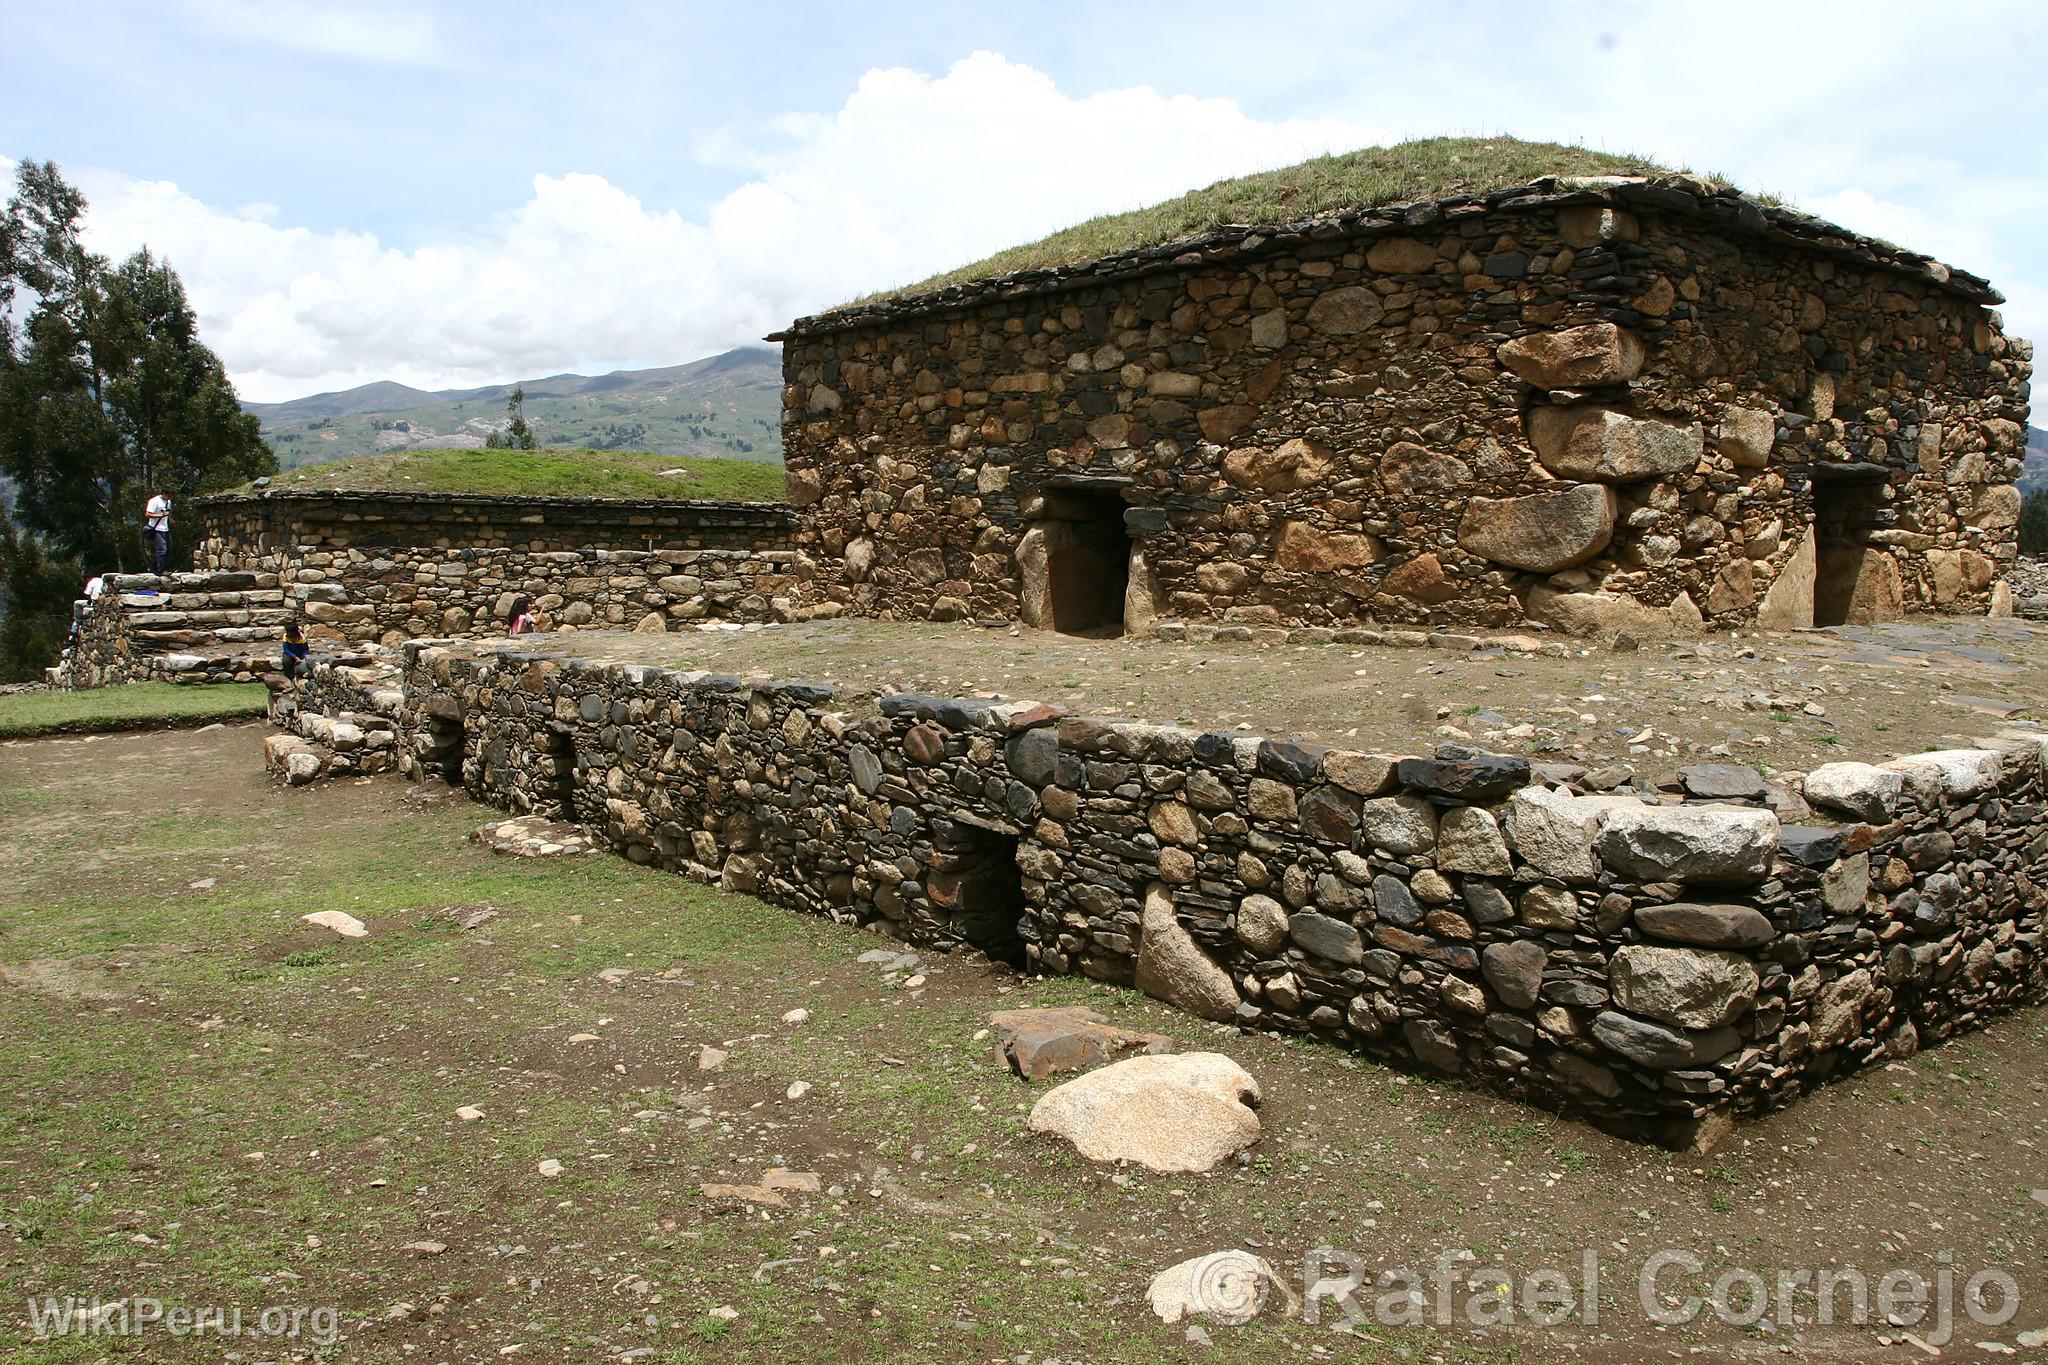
(911, 175)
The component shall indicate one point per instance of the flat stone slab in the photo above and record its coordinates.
(535, 836)
(1037, 1043)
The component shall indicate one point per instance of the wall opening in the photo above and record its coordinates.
(561, 793)
(443, 758)
(1847, 505)
(976, 887)
(1087, 562)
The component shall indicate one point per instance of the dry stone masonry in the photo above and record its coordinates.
(1660, 965)
(1642, 404)
(361, 568)
(248, 530)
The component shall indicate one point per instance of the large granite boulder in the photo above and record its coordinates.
(1689, 987)
(1688, 843)
(1606, 446)
(1863, 790)
(1540, 532)
(1182, 1112)
(1172, 966)
(1598, 353)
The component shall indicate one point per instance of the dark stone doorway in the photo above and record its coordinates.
(562, 774)
(975, 885)
(1086, 563)
(1849, 579)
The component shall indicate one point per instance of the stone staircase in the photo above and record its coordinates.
(343, 718)
(181, 627)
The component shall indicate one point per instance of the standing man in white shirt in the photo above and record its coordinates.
(156, 525)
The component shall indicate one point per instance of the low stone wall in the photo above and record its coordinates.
(236, 531)
(182, 628)
(1660, 969)
(340, 719)
(364, 596)
(376, 567)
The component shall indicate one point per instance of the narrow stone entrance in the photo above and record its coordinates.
(562, 774)
(975, 885)
(442, 755)
(1852, 584)
(1076, 562)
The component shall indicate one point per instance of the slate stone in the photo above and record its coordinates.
(1330, 814)
(1658, 1048)
(1145, 521)
(1433, 1045)
(1488, 904)
(1466, 779)
(1706, 926)
(1326, 937)
(1395, 903)
(1809, 846)
(1033, 756)
(1722, 782)
(1292, 762)
(1515, 971)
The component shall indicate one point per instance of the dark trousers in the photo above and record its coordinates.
(159, 549)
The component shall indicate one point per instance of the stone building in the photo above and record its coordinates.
(1625, 402)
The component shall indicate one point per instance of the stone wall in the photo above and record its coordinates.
(367, 567)
(387, 595)
(1650, 404)
(1659, 968)
(182, 628)
(259, 530)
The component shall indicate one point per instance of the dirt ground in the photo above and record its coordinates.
(1781, 702)
(210, 1104)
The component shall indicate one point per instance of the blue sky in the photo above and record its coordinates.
(462, 193)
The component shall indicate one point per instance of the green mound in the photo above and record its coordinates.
(1429, 168)
(137, 706)
(552, 472)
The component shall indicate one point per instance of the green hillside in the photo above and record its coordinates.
(1428, 168)
(2034, 470)
(726, 406)
(548, 472)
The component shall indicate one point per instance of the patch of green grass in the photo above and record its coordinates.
(135, 706)
(1427, 168)
(542, 473)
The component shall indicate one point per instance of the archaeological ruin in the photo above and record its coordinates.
(1645, 406)
(1648, 403)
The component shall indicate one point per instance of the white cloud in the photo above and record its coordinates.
(358, 32)
(913, 174)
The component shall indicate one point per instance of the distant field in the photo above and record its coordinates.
(723, 406)
(544, 473)
(136, 706)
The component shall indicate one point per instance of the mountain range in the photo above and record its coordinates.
(726, 405)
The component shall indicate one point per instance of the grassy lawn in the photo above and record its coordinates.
(544, 473)
(212, 1104)
(1428, 168)
(135, 706)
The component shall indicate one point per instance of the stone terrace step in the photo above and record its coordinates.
(160, 640)
(196, 601)
(186, 620)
